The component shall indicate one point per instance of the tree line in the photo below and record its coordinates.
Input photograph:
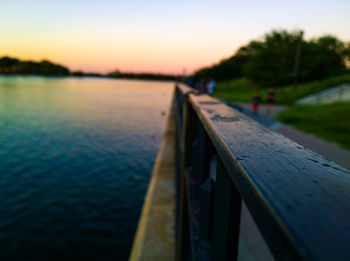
(10, 65)
(142, 76)
(272, 60)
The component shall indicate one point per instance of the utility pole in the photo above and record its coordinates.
(297, 61)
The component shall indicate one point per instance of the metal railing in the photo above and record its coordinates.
(299, 201)
(335, 94)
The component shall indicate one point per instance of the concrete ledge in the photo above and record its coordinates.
(155, 236)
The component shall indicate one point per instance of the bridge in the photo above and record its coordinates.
(226, 188)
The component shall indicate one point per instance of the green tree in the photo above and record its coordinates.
(322, 58)
(271, 61)
(10, 65)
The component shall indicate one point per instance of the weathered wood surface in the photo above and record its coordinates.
(299, 200)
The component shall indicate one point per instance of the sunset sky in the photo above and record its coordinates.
(154, 35)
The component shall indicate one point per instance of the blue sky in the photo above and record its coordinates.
(157, 36)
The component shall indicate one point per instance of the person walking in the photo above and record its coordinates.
(201, 87)
(270, 100)
(211, 86)
(255, 102)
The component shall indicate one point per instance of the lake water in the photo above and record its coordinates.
(76, 157)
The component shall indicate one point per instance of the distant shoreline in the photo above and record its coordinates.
(82, 77)
(14, 66)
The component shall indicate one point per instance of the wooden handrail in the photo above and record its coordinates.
(299, 200)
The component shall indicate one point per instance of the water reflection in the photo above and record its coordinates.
(75, 160)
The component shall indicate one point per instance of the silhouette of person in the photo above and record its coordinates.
(201, 87)
(270, 99)
(211, 86)
(256, 100)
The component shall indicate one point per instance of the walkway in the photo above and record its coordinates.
(328, 150)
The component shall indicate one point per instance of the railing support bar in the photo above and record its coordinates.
(226, 217)
(189, 121)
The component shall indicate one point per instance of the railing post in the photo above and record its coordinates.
(201, 151)
(188, 135)
(206, 199)
(226, 216)
(178, 109)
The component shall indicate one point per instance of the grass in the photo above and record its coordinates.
(236, 90)
(330, 122)
(242, 89)
(287, 95)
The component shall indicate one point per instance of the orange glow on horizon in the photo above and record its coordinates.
(105, 57)
(157, 37)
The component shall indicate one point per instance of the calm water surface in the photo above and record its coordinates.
(76, 156)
